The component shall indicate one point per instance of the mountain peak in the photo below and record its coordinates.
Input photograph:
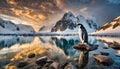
(69, 21)
(68, 15)
(9, 27)
(79, 17)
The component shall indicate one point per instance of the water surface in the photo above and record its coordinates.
(14, 49)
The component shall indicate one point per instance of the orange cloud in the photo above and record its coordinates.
(12, 2)
(36, 13)
(42, 17)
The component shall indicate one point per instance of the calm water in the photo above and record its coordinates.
(14, 49)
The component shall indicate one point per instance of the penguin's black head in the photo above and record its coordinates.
(79, 25)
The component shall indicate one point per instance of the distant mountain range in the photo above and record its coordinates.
(10, 28)
(68, 21)
(65, 24)
(111, 28)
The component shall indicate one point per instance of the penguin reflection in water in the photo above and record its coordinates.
(84, 55)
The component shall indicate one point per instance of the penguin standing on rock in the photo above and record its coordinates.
(83, 35)
(84, 55)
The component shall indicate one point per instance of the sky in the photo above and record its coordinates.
(38, 13)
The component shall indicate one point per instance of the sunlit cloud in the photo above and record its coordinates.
(11, 2)
(43, 12)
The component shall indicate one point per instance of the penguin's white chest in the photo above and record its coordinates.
(80, 34)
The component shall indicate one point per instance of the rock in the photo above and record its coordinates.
(64, 65)
(81, 47)
(109, 43)
(42, 61)
(105, 47)
(86, 47)
(69, 66)
(95, 54)
(31, 55)
(22, 64)
(117, 47)
(48, 63)
(82, 44)
(104, 53)
(105, 60)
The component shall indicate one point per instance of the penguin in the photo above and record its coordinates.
(83, 35)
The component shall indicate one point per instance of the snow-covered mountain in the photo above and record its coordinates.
(10, 27)
(111, 28)
(46, 28)
(69, 21)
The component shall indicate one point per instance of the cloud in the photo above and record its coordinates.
(113, 1)
(84, 10)
(11, 2)
(66, 5)
(37, 13)
(36, 10)
(62, 4)
(44, 12)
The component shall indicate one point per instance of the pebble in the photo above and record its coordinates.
(22, 64)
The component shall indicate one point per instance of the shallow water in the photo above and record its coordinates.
(59, 48)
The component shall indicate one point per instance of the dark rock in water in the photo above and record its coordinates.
(95, 54)
(105, 60)
(22, 64)
(104, 53)
(42, 61)
(69, 66)
(81, 47)
(48, 63)
(31, 55)
(82, 44)
(109, 43)
(117, 47)
(64, 65)
(105, 47)
(85, 47)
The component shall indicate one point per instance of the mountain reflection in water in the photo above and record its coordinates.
(60, 49)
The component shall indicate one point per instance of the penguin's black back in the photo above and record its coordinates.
(84, 33)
